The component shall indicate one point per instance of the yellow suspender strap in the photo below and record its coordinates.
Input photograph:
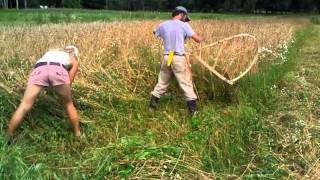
(170, 58)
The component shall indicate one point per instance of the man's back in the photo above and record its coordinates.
(173, 33)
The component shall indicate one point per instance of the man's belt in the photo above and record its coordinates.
(176, 54)
(49, 63)
(170, 56)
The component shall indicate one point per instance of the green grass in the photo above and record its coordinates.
(41, 16)
(315, 20)
(260, 92)
(231, 136)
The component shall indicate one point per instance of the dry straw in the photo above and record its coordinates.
(116, 56)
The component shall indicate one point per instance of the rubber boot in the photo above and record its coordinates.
(192, 106)
(153, 105)
(9, 139)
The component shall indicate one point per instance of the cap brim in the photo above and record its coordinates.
(188, 19)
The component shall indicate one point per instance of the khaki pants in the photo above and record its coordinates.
(181, 70)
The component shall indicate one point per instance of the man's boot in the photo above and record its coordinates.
(192, 106)
(153, 103)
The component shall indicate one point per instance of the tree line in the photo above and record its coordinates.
(247, 6)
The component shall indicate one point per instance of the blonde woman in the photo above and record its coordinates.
(57, 69)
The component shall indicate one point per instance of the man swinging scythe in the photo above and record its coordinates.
(174, 32)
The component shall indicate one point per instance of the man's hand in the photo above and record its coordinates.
(197, 38)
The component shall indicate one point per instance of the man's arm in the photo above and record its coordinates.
(197, 38)
(191, 34)
(74, 68)
(157, 32)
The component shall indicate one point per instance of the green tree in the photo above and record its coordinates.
(71, 3)
(154, 4)
(249, 6)
(317, 3)
(94, 4)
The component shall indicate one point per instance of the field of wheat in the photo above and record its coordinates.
(123, 57)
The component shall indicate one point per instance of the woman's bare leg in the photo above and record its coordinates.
(31, 93)
(64, 91)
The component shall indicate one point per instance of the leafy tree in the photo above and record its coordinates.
(94, 4)
(248, 6)
(71, 3)
(317, 3)
(154, 4)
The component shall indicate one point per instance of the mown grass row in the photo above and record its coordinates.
(259, 92)
(122, 139)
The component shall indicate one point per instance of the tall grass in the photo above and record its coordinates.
(126, 54)
(315, 19)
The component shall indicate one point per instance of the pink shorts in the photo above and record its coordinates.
(49, 75)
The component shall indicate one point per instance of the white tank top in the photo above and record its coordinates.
(56, 56)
